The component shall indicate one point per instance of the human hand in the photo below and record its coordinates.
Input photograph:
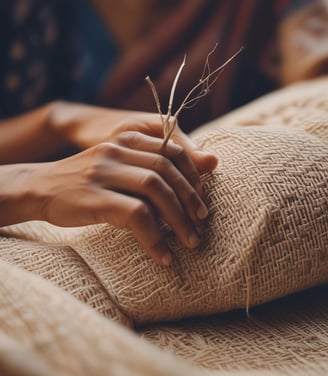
(127, 183)
(86, 126)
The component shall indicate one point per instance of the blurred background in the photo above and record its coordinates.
(100, 51)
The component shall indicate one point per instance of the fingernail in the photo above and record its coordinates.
(193, 240)
(167, 259)
(202, 212)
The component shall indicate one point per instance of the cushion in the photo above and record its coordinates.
(45, 332)
(267, 231)
(64, 267)
(281, 336)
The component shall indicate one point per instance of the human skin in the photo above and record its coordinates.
(121, 176)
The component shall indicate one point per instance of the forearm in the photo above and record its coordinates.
(29, 137)
(88, 125)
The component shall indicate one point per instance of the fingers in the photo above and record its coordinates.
(129, 212)
(146, 183)
(174, 179)
(150, 124)
(175, 153)
(204, 161)
(130, 183)
(155, 179)
(141, 218)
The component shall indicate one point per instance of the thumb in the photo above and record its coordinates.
(204, 161)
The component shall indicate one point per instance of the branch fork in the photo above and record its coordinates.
(198, 91)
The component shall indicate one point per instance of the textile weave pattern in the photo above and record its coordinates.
(267, 231)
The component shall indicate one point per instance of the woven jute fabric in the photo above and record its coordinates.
(64, 267)
(267, 231)
(45, 331)
(285, 336)
(302, 106)
(44, 328)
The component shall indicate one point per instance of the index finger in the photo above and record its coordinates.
(175, 153)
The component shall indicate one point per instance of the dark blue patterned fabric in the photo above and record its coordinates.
(50, 49)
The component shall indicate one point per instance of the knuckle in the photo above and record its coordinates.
(170, 195)
(99, 156)
(140, 212)
(161, 163)
(92, 172)
(151, 181)
(107, 150)
(128, 138)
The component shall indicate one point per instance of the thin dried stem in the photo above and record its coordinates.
(174, 85)
(203, 87)
(207, 69)
(169, 134)
(168, 128)
(166, 121)
(202, 93)
(156, 97)
(205, 81)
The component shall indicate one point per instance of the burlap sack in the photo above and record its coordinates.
(267, 232)
(62, 266)
(286, 336)
(44, 331)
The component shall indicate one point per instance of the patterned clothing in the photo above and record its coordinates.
(50, 50)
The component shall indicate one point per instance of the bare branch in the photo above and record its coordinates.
(156, 97)
(176, 78)
(200, 90)
(205, 81)
(203, 92)
(169, 133)
(207, 69)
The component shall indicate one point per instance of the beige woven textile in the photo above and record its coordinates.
(64, 267)
(267, 236)
(50, 330)
(44, 331)
(289, 336)
(286, 336)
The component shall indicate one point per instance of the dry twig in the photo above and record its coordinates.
(200, 90)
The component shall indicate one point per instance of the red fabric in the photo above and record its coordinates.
(280, 5)
(194, 28)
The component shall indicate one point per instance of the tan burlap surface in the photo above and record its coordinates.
(267, 232)
(267, 236)
(302, 106)
(285, 336)
(44, 331)
(50, 330)
(289, 336)
(64, 267)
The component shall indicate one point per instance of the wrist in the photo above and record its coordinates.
(29, 137)
(19, 202)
